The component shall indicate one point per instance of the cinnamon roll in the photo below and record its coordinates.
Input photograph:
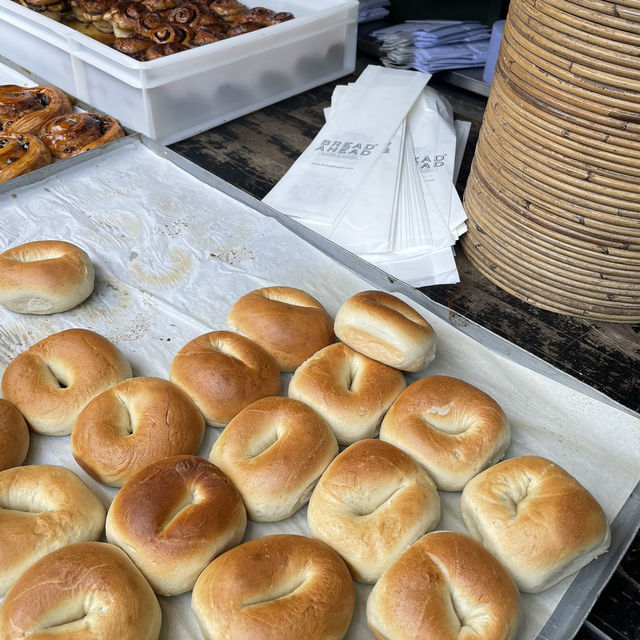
(51, 8)
(148, 23)
(26, 109)
(160, 5)
(75, 133)
(244, 27)
(134, 46)
(166, 49)
(124, 16)
(179, 34)
(230, 10)
(21, 153)
(206, 34)
(92, 11)
(188, 15)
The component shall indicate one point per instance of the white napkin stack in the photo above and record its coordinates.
(378, 178)
(434, 45)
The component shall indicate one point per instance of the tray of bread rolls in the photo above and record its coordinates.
(238, 429)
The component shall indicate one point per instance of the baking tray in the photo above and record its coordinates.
(574, 603)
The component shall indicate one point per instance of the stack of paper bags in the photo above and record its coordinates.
(434, 45)
(378, 178)
(370, 10)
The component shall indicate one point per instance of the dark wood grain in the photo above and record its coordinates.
(255, 151)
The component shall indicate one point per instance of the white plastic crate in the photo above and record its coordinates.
(182, 94)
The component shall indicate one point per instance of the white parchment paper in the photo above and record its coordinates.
(172, 255)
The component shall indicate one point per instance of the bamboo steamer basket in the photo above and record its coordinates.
(553, 196)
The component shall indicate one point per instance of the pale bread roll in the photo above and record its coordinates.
(537, 519)
(173, 517)
(441, 586)
(46, 276)
(385, 328)
(14, 436)
(85, 591)
(42, 508)
(223, 372)
(136, 422)
(279, 587)
(53, 380)
(289, 323)
(453, 429)
(371, 503)
(274, 451)
(349, 390)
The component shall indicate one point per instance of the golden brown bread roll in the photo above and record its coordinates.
(85, 591)
(133, 424)
(371, 503)
(442, 584)
(26, 109)
(290, 324)
(43, 507)
(21, 153)
(274, 451)
(124, 16)
(173, 517)
(74, 133)
(537, 519)
(450, 427)
(386, 329)
(279, 587)
(53, 380)
(223, 372)
(14, 436)
(45, 276)
(349, 390)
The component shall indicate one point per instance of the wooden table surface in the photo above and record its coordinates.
(255, 151)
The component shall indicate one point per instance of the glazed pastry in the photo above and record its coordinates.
(26, 109)
(149, 22)
(124, 16)
(171, 33)
(92, 11)
(51, 8)
(161, 50)
(21, 153)
(188, 15)
(244, 27)
(160, 5)
(75, 133)
(206, 34)
(134, 46)
(230, 10)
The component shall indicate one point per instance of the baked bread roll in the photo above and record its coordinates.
(223, 372)
(86, 591)
(26, 109)
(538, 520)
(21, 153)
(53, 380)
(44, 507)
(290, 324)
(349, 390)
(386, 329)
(173, 517)
(371, 503)
(135, 423)
(14, 436)
(75, 133)
(450, 427)
(442, 585)
(280, 587)
(46, 276)
(274, 451)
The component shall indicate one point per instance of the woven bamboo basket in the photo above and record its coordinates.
(553, 197)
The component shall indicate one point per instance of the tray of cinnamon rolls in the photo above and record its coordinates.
(216, 423)
(172, 68)
(41, 124)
